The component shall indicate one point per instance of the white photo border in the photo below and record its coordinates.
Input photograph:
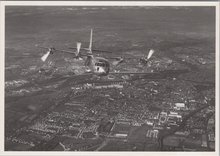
(3, 4)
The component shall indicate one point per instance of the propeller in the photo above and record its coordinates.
(78, 46)
(45, 56)
(150, 54)
(145, 60)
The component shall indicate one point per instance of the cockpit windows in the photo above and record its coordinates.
(100, 64)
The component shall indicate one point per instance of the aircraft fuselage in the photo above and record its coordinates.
(98, 65)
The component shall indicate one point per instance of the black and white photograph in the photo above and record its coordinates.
(110, 78)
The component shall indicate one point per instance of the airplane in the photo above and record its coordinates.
(99, 66)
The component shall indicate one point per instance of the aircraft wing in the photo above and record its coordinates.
(155, 75)
(150, 53)
(149, 76)
(127, 73)
(168, 72)
(133, 73)
(65, 51)
(122, 57)
(93, 50)
(71, 52)
(102, 51)
(52, 49)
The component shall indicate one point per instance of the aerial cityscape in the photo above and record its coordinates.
(109, 78)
